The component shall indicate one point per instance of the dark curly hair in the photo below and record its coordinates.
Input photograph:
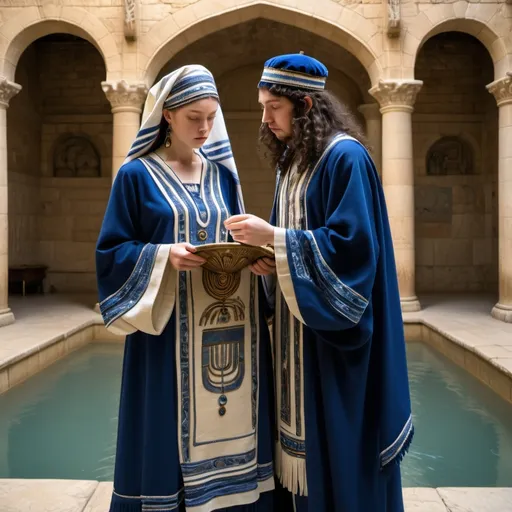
(311, 130)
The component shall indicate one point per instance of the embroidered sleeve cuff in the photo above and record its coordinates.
(283, 273)
(150, 309)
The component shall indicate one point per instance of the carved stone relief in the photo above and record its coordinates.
(130, 20)
(449, 155)
(393, 18)
(76, 156)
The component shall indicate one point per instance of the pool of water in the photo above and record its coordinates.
(62, 422)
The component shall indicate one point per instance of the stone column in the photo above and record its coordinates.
(396, 99)
(7, 91)
(126, 101)
(373, 119)
(502, 91)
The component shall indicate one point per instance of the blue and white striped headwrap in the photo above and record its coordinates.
(179, 88)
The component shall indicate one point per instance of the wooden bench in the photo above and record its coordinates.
(28, 275)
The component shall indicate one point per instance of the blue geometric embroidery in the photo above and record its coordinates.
(133, 289)
(309, 261)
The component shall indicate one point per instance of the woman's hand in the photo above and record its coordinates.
(263, 267)
(182, 257)
(250, 229)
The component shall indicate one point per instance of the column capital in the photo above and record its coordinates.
(502, 89)
(370, 111)
(125, 97)
(396, 95)
(8, 90)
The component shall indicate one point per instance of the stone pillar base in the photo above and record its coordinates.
(410, 304)
(6, 317)
(502, 312)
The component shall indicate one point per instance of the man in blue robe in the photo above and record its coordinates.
(343, 406)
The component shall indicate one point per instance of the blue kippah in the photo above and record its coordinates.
(296, 70)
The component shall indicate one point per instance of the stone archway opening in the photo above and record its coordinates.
(59, 133)
(236, 56)
(455, 129)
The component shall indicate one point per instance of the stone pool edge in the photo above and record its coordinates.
(29, 362)
(463, 354)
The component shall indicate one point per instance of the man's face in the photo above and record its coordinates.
(277, 114)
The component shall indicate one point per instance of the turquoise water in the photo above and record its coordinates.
(62, 422)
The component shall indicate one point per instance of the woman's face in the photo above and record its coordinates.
(192, 123)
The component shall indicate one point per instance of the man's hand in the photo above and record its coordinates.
(250, 229)
(263, 267)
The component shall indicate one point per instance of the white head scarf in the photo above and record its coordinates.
(179, 88)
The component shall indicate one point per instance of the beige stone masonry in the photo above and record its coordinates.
(484, 20)
(33, 22)
(373, 120)
(396, 99)
(126, 100)
(8, 90)
(502, 91)
(340, 24)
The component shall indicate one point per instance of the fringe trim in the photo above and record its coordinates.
(125, 507)
(398, 457)
(291, 472)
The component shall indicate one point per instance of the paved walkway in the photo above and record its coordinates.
(87, 496)
(466, 319)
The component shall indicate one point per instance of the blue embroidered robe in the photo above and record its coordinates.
(343, 403)
(195, 420)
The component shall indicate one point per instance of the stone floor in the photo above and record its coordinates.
(467, 321)
(88, 496)
(42, 320)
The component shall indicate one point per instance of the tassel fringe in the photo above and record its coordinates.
(125, 506)
(291, 472)
(397, 459)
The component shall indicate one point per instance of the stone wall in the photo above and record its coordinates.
(23, 156)
(73, 210)
(456, 214)
(55, 220)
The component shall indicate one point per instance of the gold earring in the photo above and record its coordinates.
(168, 141)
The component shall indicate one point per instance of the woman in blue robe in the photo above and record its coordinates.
(343, 406)
(196, 408)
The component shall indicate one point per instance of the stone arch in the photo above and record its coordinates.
(339, 24)
(488, 26)
(35, 22)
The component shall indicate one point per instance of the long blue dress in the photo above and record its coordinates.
(343, 405)
(196, 411)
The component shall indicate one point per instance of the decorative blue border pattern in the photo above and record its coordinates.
(162, 503)
(294, 447)
(133, 289)
(152, 503)
(265, 471)
(199, 494)
(191, 469)
(400, 445)
(272, 76)
(341, 297)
